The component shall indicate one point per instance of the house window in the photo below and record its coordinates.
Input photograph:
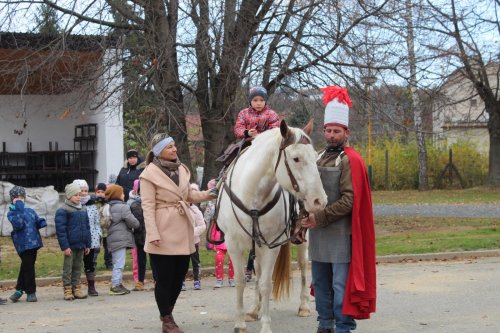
(473, 102)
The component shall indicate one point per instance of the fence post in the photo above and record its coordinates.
(450, 170)
(387, 184)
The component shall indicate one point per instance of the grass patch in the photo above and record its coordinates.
(395, 235)
(405, 235)
(475, 195)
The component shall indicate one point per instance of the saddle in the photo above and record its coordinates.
(232, 150)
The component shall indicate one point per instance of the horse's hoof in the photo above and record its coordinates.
(304, 313)
(240, 330)
(251, 317)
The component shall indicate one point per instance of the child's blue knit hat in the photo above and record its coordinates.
(257, 91)
(17, 191)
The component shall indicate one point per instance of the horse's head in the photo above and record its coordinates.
(296, 168)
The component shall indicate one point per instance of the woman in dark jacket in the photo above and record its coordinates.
(139, 235)
(130, 172)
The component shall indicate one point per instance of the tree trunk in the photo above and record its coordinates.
(417, 111)
(494, 131)
(218, 116)
(161, 35)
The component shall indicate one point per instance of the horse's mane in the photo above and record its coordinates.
(272, 137)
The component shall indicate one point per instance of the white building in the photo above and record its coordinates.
(460, 115)
(60, 109)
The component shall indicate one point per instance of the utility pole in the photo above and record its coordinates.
(368, 81)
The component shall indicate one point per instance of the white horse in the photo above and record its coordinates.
(278, 159)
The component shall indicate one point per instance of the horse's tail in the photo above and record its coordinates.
(282, 274)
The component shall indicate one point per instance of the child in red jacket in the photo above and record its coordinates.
(253, 120)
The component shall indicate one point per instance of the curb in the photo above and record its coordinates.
(209, 271)
(444, 256)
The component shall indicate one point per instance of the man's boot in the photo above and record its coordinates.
(91, 284)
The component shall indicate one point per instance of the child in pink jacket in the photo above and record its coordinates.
(220, 250)
(220, 254)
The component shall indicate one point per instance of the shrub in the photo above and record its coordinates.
(403, 165)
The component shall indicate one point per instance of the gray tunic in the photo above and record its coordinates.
(331, 242)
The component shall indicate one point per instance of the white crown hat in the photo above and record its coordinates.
(337, 103)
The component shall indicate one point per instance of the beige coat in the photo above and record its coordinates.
(166, 211)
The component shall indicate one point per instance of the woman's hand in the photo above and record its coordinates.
(155, 243)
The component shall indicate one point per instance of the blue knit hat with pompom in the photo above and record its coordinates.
(257, 91)
(17, 191)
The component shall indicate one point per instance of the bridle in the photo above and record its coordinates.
(255, 234)
(285, 142)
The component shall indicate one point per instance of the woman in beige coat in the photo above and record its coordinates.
(166, 195)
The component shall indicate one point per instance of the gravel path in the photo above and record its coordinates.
(424, 297)
(445, 210)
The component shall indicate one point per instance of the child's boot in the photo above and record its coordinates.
(218, 284)
(91, 284)
(16, 296)
(31, 298)
(248, 275)
(197, 285)
(139, 286)
(68, 293)
(77, 292)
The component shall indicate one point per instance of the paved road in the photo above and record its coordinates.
(431, 297)
(445, 210)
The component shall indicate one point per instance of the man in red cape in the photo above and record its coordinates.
(342, 236)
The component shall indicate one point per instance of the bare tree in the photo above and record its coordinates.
(468, 44)
(415, 107)
(216, 49)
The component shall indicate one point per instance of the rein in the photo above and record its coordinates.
(285, 143)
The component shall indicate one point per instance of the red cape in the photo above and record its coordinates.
(360, 293)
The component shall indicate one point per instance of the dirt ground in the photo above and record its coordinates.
(426, 296)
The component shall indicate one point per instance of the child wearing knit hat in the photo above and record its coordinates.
(251, 121)
(120, 235)
(26, 238)
(256, 118)
(90, 259)
(73, 235)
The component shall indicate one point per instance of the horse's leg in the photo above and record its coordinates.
(253, 314)
(238, 259)
(304, 310)
(267, 260)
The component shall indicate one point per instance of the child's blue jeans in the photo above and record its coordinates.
(118, 265)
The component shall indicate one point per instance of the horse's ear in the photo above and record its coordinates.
(283, 128)
(309, 127)
(287, 134)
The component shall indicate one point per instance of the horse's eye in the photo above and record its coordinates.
(296, 159)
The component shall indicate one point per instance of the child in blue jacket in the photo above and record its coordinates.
(73, 235)
(26, 237)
